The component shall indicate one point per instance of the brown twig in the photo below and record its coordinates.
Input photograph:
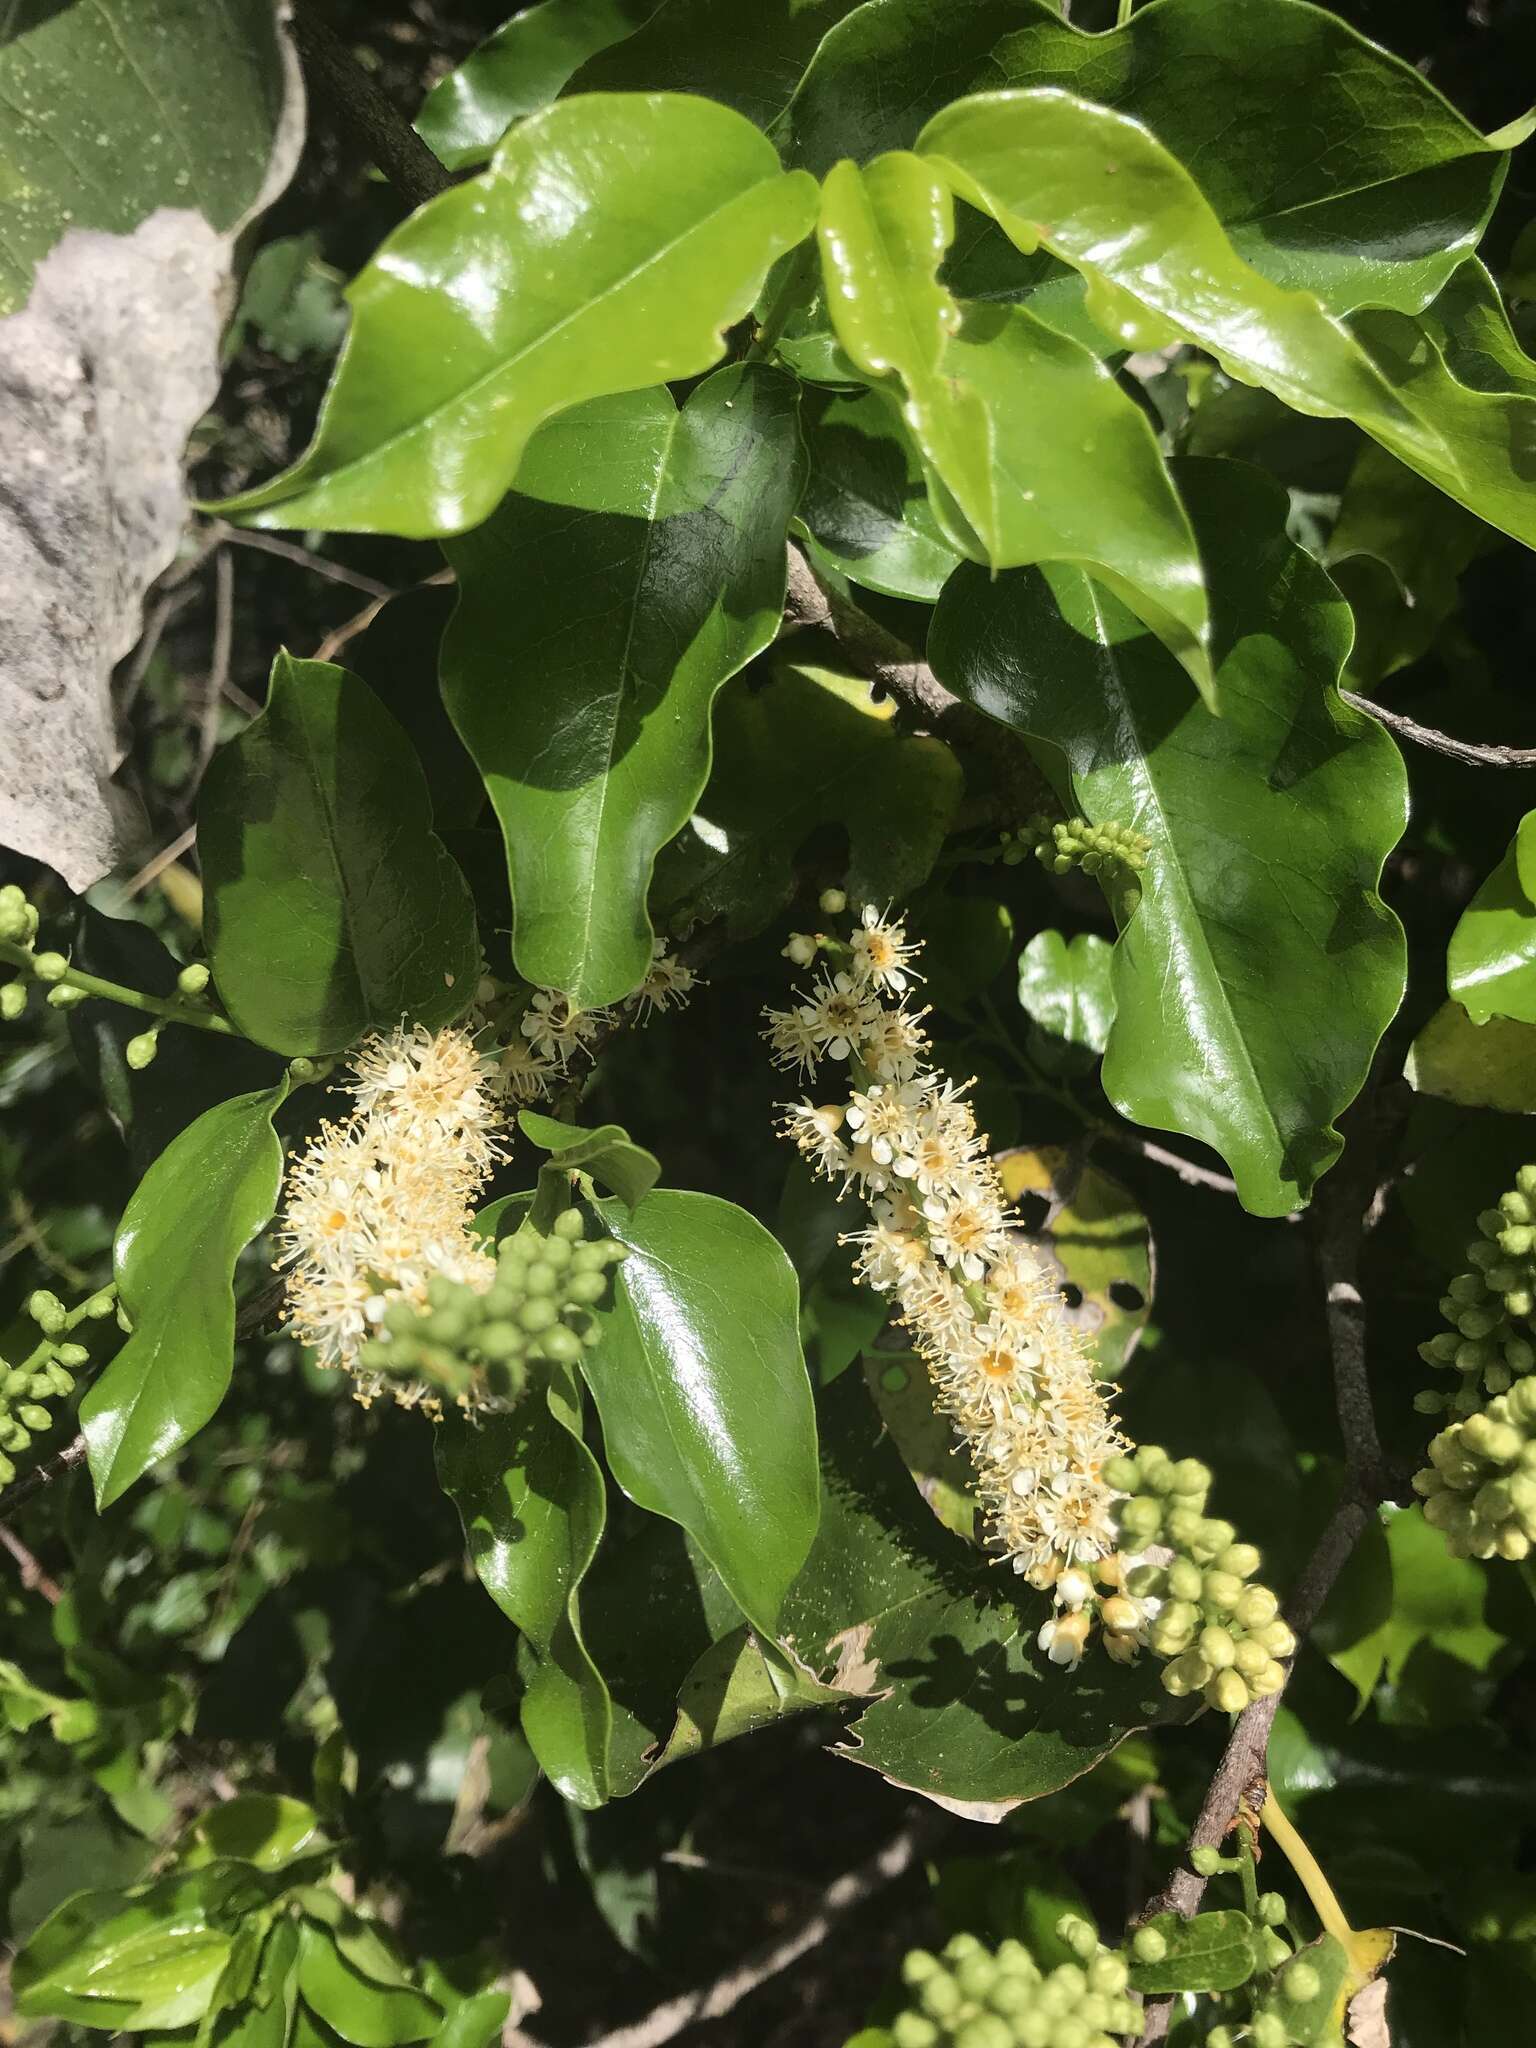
(305, 558)
(33, 1575)
(366, 115)
(1474, 752)
(58, 1466)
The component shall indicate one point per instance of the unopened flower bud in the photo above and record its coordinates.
(47, 1311)
(832, 902)
(1148, 1945)
(1121, 1615)
(1229, 1692)
(192, 980)
(1205, 1860)
(13, 1001)
(139, 1052)
(1300, 1983)
(50, 966)
(801, 950)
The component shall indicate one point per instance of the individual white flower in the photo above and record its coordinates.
(801, 950)
(942, 1147)
(668, 984)
(894, 1044)
(965, 1225)
(815, 1133)
(882, 952)
(839, 1015)
(890, 1259)
(791, 1042)
(1064, 1638)
(523, 1073)
(557, 1030)
(886, 1116)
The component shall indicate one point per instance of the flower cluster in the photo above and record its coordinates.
(981, 1997)
(46, 1374)
(1490, 1308)
(1064, 844)
(475, 1347)
(1195, 1584)
(381, 1203)
(1008, 1368)
(1479, 1488)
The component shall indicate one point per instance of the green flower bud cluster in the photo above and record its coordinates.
(1073, 842)
(1479, 1488)
(1491, 1307)
(46, 1374)
(476, 1348)
(980, 1997)
(1218, 1626)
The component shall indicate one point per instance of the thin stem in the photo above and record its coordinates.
(1123, 12)
(169, 1008)
(1310, 1872)
(1473, 752)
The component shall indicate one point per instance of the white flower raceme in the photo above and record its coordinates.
(1007, 1365)
(668, 984)
(381, 1203)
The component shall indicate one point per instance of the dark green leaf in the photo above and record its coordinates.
(965, 1708)
(531, 288)
(1491, 962)
(609, 1154)
(517, 70)
(531, 1498)
(1481, 1066)
(1397, 551)
(749, 57)
(699, 1380)
(865, 507)
(150, 1105)
(204, 1199)
(1212, 1952)
(1034, 452)
(397, 657)
(367, 2014)
(475, 2023)
(1449, 392)
(1260, 969)
(1332, 164)
(639, 563)
(1067, 988)
(116, 109)
(332, 906)
(793, 750)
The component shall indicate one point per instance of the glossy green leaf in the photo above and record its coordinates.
(701, 1387)
(397, 655)
(1331, 163)
(794, 750)
(1035, 452)
(1491, 961)
(902, 1392)
(748, 57)
(149, 1958)
(964, 1707)
(1260, 969)
(517, 70)
(207, 1195)
(1448, 392)
(267, 1829)
(531, 1498)
(865, 507)
(533, 287)
(1397, 551)
(360, 1942)
(1212, 1952)
(1481, 1066)
(332, 908)
(367, 2014)
(609, 1154)
(475, 2023)
(639, 563)
(1067, 988)
(116, 108)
